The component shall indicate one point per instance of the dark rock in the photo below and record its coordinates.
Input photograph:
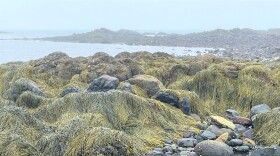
(249, 134)
(242, 149)
(167, 149)
(127, 87)
(185, 106)
(69, 90)
(22, 85)
(235, 142)
(103, 83)
(233, 135)
(230, 113)
(188, 135)
(167, 97)
(199, 138)
(213, 148)
(262, 108)
(201, 126)
(208, 135)
(186, 142)
(242, 121)
(265, 151)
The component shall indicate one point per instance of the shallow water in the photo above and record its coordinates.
(24, 50)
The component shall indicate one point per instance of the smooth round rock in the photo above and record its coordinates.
(213, 148)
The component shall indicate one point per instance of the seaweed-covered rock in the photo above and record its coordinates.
(21, 85)
(103, 83)
(29, 99)
(213, 148)
(149, 83)
(127, 87)
(69, 90)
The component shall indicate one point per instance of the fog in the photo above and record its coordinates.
(140, 15)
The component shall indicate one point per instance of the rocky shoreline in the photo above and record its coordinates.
(139, 104)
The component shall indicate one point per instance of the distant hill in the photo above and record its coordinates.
(239, 43)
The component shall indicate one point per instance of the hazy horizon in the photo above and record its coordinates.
(144, 15)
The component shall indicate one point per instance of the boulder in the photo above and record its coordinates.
(265, 151)
(239, 128)
(148, 83)
(241, 149)
(230, 113)
(242, 121)
(262, 108)
(21, 85)
(213, 148)
(222, 122)
(103, 83)
(217, 131)
(207, 135)
(167, 97)
(69, 90)
(186, 142)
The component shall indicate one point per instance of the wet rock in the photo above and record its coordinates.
(103, 83)
(242, 121)
(265, 151)
(262, 108)
(213, 148)
(208, 135)
(187, 142)
(235, 142)
(185, 106)
(230, 113)
(69, 90)
(233, 135)
(167, 97)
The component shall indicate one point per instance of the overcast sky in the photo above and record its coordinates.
(155, 15)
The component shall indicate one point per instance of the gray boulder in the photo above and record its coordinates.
(235, 142)
(248, 134)
(262, 108)
(103, 83)
(213, 148)
(242, 149)
(231, 114)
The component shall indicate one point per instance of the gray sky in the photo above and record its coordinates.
(156, 15)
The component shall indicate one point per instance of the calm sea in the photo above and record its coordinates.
(25, 50)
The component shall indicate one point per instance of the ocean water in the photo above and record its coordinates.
(25, 50)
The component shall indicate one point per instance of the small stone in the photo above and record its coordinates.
(242, 121)
(242, 149)
(201, 126)
(249, 134)
(186, 142)
(239, 128)
(235, 142)
(222, 122)
(230, 113)
(208, 135)
(167, 141)
(233, 135)
(223, 138)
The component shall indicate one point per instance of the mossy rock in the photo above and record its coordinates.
(29, 99)
(148, 83)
